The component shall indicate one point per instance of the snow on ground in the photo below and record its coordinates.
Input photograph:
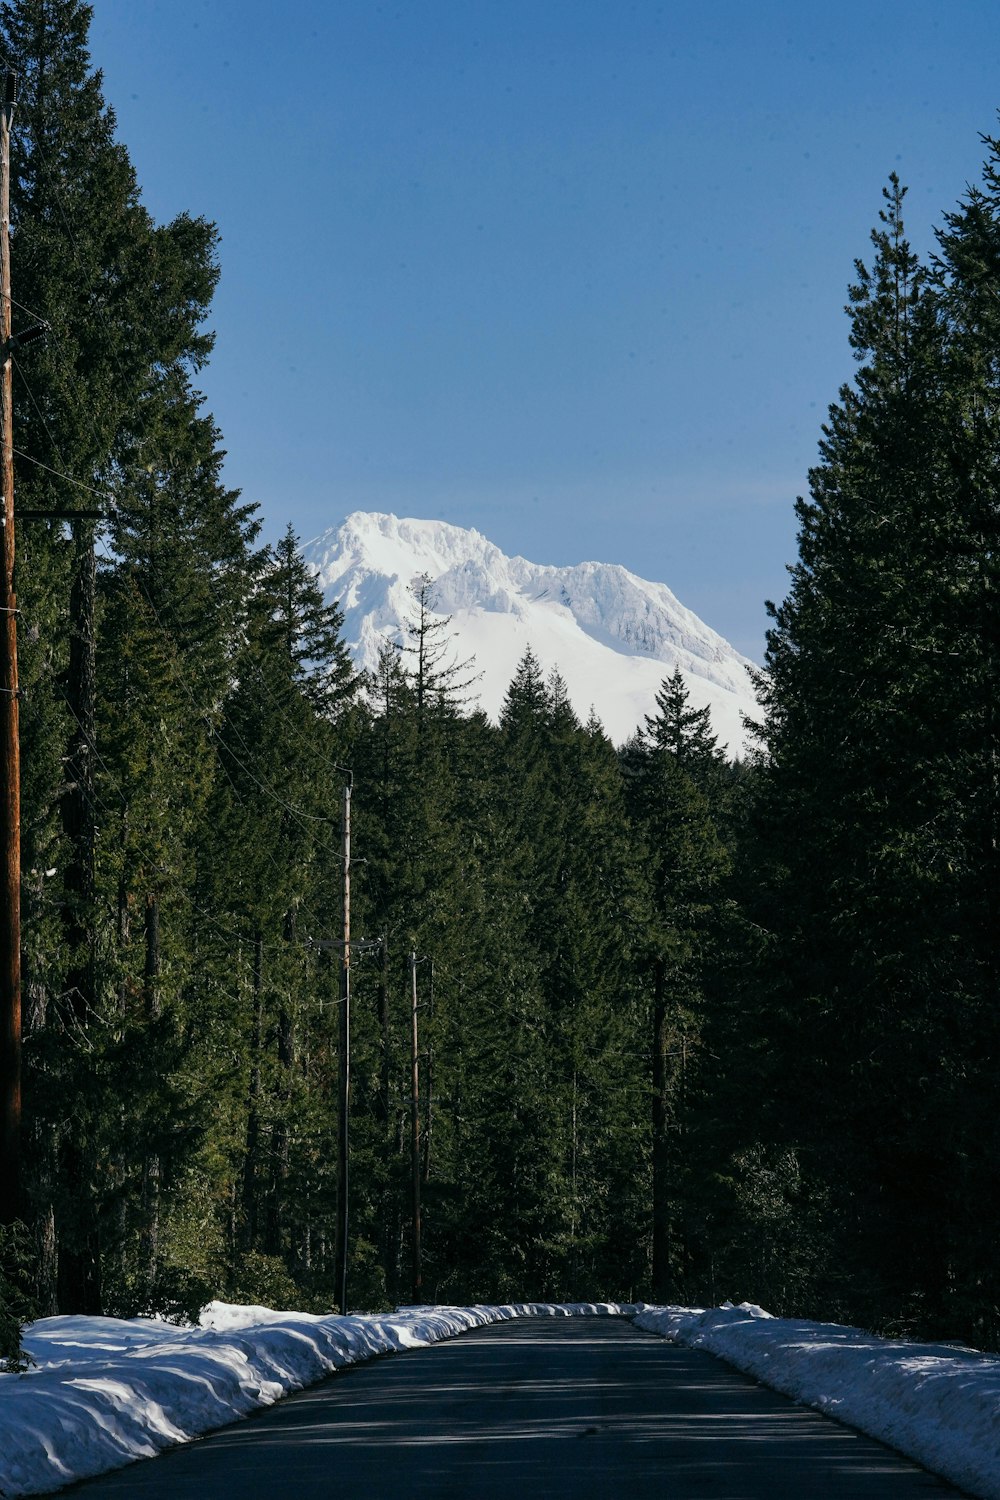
(937, 1403)
(105, 1391)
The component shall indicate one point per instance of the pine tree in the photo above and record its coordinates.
(309, 632)
(683, 731)
(275, 873)
(571, 849)
(673, 775)
(106, 399)
(439, 681)
(863, 816)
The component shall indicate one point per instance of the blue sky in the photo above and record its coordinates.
(568, 271)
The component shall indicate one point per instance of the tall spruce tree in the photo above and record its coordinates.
(866, 811)
(106, 400)
(674, 780)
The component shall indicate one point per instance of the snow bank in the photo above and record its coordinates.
(105, 1391)
(937, 1403)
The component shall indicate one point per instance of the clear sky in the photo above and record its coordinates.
(568, 271)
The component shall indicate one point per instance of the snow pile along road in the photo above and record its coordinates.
(937, 1403)
(105, 1391)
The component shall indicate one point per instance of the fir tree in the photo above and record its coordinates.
(862, 811)
(439, 681)
(684, 732)
(673, 778)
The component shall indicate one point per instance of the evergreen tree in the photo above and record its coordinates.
(438, 680)
(105, 399)
(281, 739)
(308, 632)
(673, 773)
(683, 731)
(865, 811)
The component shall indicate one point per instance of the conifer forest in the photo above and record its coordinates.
(688, 1028)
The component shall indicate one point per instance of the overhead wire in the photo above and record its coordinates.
(38, 409)
(101, 494)
(21, 308)
(262, 681)
(59, 474)
(92, 746)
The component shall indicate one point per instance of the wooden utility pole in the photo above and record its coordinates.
(415, 1131)
(10, 772)
(344, 1144)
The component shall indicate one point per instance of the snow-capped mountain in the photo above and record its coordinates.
(612, 636)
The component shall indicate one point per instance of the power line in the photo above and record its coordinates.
(101, 494)
(91, 743)
(21, 307)
(38, 409)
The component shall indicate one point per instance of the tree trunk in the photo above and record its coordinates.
(386, 1218)
(77, 1234)
(76, 1229)
(78, 799)
(275, 1222)
(149, 1233)
(661, 1150)
(251, 1160)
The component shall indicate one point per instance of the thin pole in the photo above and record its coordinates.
(388, 1208)
(660, 1153)
(415, 1131)
(429, 1070)
(343, 1145)
(10, 777)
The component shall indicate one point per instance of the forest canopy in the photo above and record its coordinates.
(688, 1028)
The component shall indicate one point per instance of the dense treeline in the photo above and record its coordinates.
(688, 1029)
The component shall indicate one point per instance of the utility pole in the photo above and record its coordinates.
(425, 1152)
(415, 1131)
(661, 1151)
(10, 774)
(343, 1144)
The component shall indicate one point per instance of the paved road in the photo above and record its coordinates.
(545, 1407)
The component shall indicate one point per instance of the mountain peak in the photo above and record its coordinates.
(611, 635)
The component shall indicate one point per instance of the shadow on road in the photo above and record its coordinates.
(582, 1407)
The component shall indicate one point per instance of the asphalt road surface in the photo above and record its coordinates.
(543, 1407)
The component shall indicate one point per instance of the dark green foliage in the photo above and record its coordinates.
(687, 1029)
(190, 708)
(17, 1306)
(875, 812)
(676, 796)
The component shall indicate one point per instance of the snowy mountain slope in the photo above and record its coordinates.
(613, 636)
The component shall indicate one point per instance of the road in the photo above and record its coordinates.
(545, 1407)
